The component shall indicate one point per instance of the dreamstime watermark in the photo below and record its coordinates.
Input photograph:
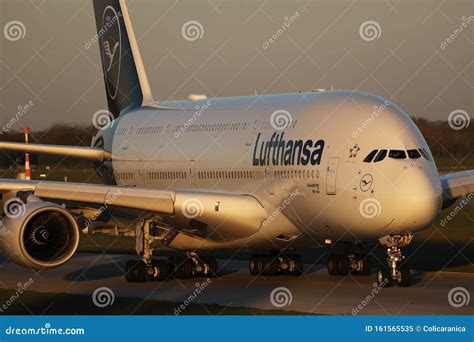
(108, 202)
(286, 24)
(370, 208)
(281, 119)
(377, 110)
(458, 297)
(14, 30)
(192, 30)
(281, 207)
(102, 119)
(14, 208)
(21, 111)
(199, 288)
(106, 26)
(200, 110)
(192, 208)
(464, 201)
(103, 297)
(464, 24)
(46, 330)
(370, 30)
(21, 287)
(281, 297)
(376, 289)
(458, 119)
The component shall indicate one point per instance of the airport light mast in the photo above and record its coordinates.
(26, 130)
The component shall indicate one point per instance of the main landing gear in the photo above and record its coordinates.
(272, 265)
(183, 267)
(397, 270)
(343, 264)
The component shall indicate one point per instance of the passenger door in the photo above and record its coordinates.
(331, 175)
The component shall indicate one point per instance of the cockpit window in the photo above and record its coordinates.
(397, 154)
(413, 154)
(425, 154)
(370, 156)
(380, 156)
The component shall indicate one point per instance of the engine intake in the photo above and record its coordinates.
(45, 236)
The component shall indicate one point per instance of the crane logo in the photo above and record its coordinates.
(110, 53)
(111, 37)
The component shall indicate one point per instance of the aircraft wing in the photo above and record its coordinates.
(456, 185)
(221, 216)
(83, 152)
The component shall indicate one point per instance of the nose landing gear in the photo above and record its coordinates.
(397, 270)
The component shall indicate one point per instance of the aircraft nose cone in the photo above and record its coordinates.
(420, 200)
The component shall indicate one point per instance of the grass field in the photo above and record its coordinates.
(38, 303)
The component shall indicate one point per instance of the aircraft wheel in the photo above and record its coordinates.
(211, 266)
(332, 264)
(383, 276)
(253, 264)
(342, 265)
(183, 268)
(135, 271)
(366, 264)
(403, 276)
(270, 266)
(299, 266)
(260, 264)
(161, 269)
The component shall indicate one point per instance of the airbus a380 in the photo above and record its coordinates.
(270, 173)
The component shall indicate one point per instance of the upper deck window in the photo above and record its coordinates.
(397, 154)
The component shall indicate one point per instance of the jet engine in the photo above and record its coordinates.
(38, 234)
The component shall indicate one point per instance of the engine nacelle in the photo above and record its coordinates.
(39, 235)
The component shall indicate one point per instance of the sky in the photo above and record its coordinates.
(403, 54)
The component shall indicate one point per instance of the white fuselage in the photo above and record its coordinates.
(307, 170)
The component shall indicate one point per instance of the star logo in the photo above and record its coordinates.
(353, 151)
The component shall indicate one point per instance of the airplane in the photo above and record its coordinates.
(273, 173)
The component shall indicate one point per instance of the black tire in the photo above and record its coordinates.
(342, 265)
(271, 266)
(161, 269)
(135, 271)
(383, 276)
(212, 266)
(366, 264)
(332, 264)
(299, 266)
(403, 276)
(184, 268)
(253, 264)
(260, 264)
